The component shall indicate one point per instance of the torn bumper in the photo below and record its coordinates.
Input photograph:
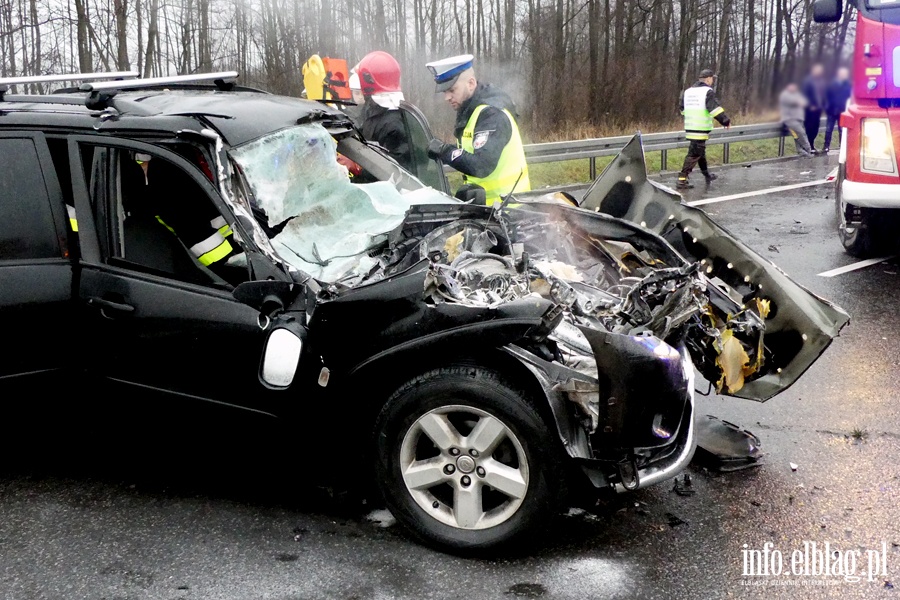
(643, 422)
(681, 455)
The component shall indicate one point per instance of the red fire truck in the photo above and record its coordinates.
(868, 181)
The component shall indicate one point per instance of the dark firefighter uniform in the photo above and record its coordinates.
(699, 106)
(489, 150)
(170, 195)
(385, 127)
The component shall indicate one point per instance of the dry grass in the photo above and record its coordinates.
(583, 131)
(548, 175)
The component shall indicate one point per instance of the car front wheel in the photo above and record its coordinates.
(465, 461)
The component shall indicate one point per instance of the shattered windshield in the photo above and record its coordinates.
(321, 221)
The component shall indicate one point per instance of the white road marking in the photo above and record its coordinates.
(783, 188)
(853, 267)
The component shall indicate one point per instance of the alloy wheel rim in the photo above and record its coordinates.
(464, 467)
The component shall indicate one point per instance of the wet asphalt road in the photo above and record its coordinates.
(210, 509)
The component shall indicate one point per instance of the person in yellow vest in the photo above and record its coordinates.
(488, 150)
(699, 106)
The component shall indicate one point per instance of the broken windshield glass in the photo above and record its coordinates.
(325, 223)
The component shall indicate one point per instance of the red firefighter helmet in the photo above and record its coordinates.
(378, 72)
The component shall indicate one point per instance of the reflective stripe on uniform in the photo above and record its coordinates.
(220, 224)
(73, 219)
(510, 167)
(164, 224)
(212, 249)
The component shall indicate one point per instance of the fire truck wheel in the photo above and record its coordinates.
(858, 234)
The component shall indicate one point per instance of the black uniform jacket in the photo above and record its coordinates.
(385, 127)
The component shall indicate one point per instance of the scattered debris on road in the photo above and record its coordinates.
(798, 228)
(674, 521)
(381, 517)
(793, 466)
(774, 248)
(684, 487)
(725, 447)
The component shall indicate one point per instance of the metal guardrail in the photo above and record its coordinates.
(592, 149)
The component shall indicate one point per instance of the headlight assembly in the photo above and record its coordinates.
(877, 148)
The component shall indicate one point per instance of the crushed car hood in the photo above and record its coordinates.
(799, 325)
(400, 262)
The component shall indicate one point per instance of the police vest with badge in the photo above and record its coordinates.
(489, 149)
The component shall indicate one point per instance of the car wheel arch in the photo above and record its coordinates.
(391, 372)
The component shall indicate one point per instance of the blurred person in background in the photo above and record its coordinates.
(814, 87)
(836, 98)
(793, 105)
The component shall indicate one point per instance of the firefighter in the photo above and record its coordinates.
(195, 221)
(382, 121)
(699, 106)
(488, 148)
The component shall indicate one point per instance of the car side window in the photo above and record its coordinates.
(156, 218)
(29, 230)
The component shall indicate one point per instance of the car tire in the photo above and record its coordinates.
(441, 490)
(858, 240)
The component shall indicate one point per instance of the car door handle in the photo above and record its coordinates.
(104, 303)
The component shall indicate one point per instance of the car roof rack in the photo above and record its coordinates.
(6, 82)
(100, 94)
(224, 80)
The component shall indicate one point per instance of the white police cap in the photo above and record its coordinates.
(447, 71)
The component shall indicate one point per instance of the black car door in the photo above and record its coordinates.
(429, 171)
(36, 308)
(156, 317)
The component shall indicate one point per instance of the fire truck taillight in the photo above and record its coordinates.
(877, 148)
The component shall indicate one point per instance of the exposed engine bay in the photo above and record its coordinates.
(596, 283)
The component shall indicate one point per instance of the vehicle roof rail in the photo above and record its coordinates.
(101, 94)
(224, 80)
(6, 82)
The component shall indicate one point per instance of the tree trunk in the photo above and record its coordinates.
(85, 60)
(120, 7)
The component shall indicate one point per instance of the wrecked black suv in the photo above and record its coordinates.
(482, 354)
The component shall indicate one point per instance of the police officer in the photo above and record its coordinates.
(699, 106)
(382, 122)
(488, 149)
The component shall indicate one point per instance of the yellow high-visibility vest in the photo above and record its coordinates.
(510, 166)
(698, 121)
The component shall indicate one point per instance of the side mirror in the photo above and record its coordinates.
(281, 354)
(827, 11)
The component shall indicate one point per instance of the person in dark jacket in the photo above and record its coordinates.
(699, 106)
(489, 150)
(836, 98)
(814, 89)
(380, 117)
